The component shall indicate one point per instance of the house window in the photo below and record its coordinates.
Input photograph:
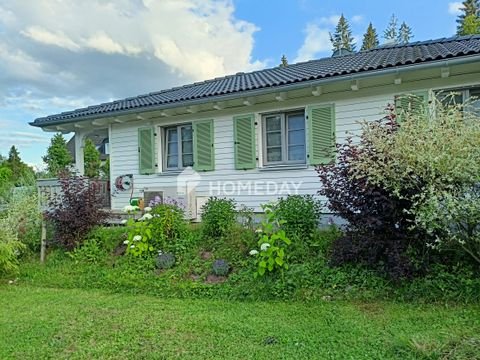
(284, 138)
(178, 147)
(469, 96)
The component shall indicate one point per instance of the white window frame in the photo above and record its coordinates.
(464, 91)
(284, 137)
(179, 128)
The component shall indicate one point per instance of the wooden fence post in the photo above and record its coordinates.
(43, 242)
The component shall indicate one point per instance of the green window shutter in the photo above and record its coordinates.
(321, 134)
(415, 103)
(244, 142)
(203, 149)
(146, 150)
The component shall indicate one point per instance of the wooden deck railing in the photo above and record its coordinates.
(51, 188)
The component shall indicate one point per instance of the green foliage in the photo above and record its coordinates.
(342, 37)
(58, 158)
(468, 18)
(24, 219)
(169, 228)
(470, 25)
(405, 34)
(165, 260)
(370, 38)
(453, 218)
(10, 249)
(91, 159)
(220, 267)
(272, 243)
(105, 169)
(283, 61)
(89, 251)
(301, 215)
(218, 217)
(140, 241)
(391, 32)
(429, 161)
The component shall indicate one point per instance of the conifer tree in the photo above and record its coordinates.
(283, 61)
(370, 38)
(342, 37)
(92, 161)
(391, 32)
(405, 34)
(58, 157)
(468, 18)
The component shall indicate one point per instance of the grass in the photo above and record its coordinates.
(41, 323)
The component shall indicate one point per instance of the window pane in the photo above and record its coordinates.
(296, 153)
(273, 123)
(187, 147)
(186, 133)
(296, 137)
(274, 139)
(474, 103)
(274, 154)
(172, 161)
(450, 98)
(172, 135)
(187, 160)
(296, 122)
(172, 149)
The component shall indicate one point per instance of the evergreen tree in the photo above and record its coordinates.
(283, 61)
(58, 157)
(391, 32)
(404, 34)
(91, 158)
(21, 173)
(342, 38)
(370, 39)
(470, 11)
(470, 25)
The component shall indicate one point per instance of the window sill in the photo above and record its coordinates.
(284, 167)
(170, 173)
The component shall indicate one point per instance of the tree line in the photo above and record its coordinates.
(468, 23)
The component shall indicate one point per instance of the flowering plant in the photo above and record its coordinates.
(272, 243)
(140, 239)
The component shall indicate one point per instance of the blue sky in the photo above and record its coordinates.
(57, 56)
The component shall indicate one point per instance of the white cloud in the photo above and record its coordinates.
(357, 19)
(454, 8)
(331, 20)
(103, 43)
(50, 38)
(316, 40)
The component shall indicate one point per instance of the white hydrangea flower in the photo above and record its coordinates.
(253, 252)
(264, 246)
(124, 221)
(137, 238)
(258, 230)
(147, 217)
(147, 209)
(126, 242)
(130, 208)
(132, 246)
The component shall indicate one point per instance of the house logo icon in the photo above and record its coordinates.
(187, 181)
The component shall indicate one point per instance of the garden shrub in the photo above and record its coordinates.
(218, 217)
(272, 243)
(76, 211)
(90, 251)
(169, 228)
(432, 161)
(379, 232)
(301, 214)
(10, 248)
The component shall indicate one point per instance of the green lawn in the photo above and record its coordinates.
(41, 323)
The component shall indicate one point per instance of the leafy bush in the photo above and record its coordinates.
(432, 159)
(220, 267)
(140, 241)
(169, 227)
(272, 243)
(301, 214)
(76, 211)
(454, 220)
(10, 249)
(379, 232)
(89, 251)
(218, 217)
(165, 260)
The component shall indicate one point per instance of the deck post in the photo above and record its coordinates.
(43, 241)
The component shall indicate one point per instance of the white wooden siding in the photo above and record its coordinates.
(351, 108)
